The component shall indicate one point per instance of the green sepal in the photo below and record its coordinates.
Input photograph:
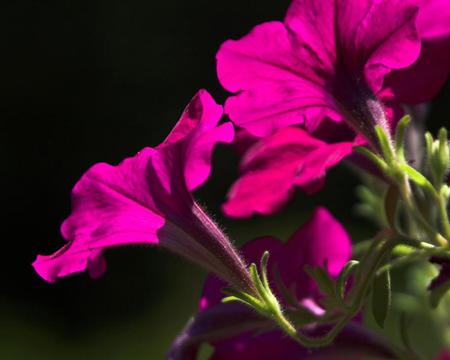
(400, 132)
(243, 297)
(381, 297)
(377, 160)
(341, 282)
(385, 144)
(418, 178)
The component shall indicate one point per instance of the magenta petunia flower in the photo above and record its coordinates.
(330, 64)
(237, 332)
(329, 59)
(147, 200)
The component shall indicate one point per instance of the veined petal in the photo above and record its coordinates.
(265, 67)
(276, 165)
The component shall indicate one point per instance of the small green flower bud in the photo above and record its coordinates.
(438, 156)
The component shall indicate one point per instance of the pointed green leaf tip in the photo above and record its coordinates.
(264, 261)
(400, 133)
(381, 297)
(344, 275)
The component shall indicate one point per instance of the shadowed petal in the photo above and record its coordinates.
(238, 333)
(421, 81)
(321, 239)
(444, 356)
(274, 166)
(214, 324)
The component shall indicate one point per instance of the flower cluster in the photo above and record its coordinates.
(332, 78)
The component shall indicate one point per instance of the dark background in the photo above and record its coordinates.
(89, 81)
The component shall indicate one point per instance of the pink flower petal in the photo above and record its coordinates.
(146, 199)
(321, 239)
(274, 166)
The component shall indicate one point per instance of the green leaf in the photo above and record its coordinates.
(381, 297)
(438, 293)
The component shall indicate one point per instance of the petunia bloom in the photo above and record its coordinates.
(146, 199)
(237, 332)
(331, 66)
(329, 60)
